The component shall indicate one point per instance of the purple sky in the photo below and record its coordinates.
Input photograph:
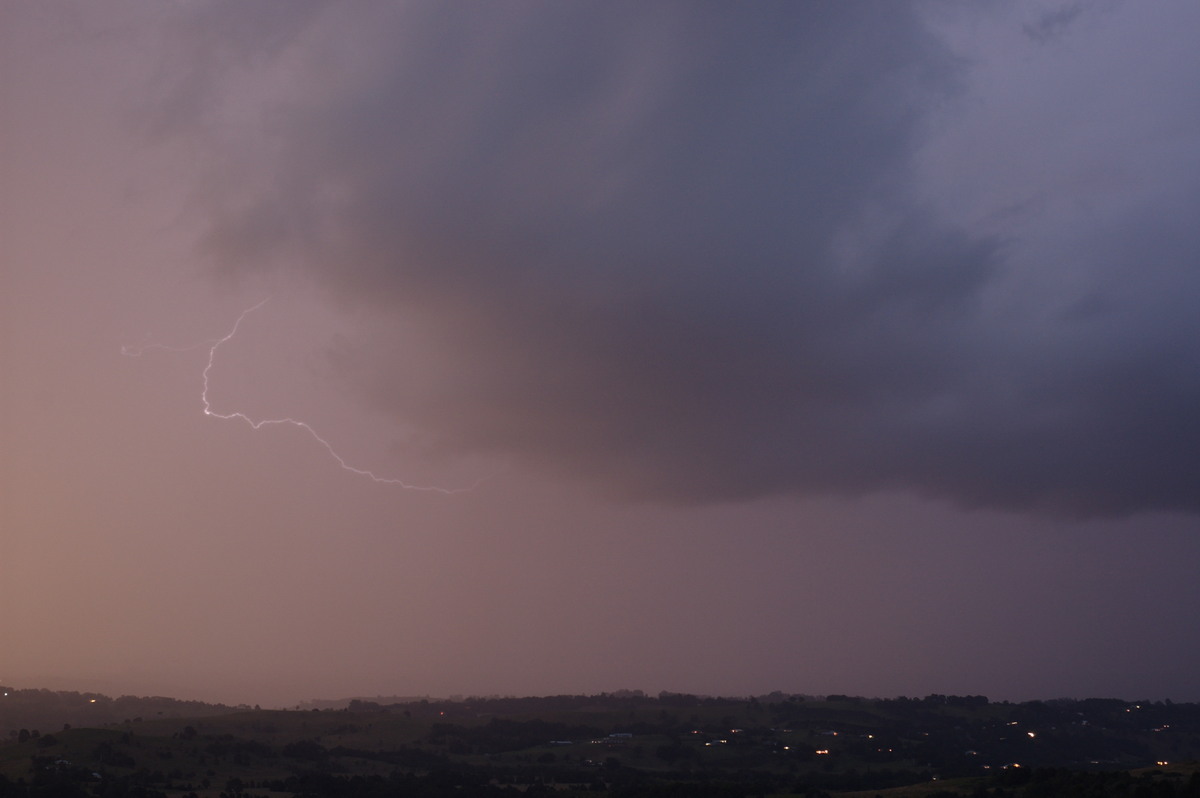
(815, 347)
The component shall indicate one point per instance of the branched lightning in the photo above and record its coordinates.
(256, 424)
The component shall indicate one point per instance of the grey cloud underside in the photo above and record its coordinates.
(674, 249)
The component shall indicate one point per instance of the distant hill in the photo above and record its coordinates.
(50, 710)
(623, 744)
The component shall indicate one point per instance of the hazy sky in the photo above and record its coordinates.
(815, 347)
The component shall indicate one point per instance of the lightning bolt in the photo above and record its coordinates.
(257, 424)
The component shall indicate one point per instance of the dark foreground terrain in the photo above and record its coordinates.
(614, 744)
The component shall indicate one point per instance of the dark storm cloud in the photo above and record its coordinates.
(675, 248)
(1052, 23)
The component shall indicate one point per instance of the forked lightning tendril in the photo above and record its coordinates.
(214, 345)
